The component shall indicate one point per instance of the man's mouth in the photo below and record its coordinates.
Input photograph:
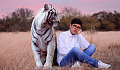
(75, 30)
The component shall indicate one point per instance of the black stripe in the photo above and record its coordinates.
(34, 36)
(38, 51)
(51, 14)
(48, 36)
(49, 40)
(54, 9)
(48, 15)
(45, 32)
(34, 26)
(41, 51)
(37, 33)
(35, 44)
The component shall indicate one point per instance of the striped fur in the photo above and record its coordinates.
(43, 35)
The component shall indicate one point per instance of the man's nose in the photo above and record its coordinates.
(76, 28)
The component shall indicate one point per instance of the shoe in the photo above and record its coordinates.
(77, 64)
(103, 65)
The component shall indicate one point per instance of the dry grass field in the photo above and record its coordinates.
(16, 52)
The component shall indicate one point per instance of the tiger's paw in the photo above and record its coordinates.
(38, 67)
(47, 66)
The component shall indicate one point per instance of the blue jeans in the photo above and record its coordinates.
(75, 54)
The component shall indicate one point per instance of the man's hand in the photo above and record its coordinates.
(79, 32)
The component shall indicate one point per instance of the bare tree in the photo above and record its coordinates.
(69, 11)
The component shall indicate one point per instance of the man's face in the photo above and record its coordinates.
(75, 28)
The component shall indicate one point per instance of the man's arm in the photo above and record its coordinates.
(83, 42)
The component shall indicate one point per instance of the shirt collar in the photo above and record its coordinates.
(69, 33)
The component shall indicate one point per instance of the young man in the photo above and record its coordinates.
(69, 44)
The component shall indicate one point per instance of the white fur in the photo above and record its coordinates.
(39, 21)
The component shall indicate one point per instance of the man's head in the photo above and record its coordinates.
(76, 21)
(75, 26)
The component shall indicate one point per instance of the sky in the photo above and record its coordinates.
(85, 6)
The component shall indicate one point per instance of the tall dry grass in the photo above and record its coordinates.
(16, 52)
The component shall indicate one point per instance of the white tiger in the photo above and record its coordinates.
(43, 35)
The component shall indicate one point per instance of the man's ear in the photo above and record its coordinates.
(46, 7)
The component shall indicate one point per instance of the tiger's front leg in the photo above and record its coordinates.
(50, 54)
(36, 56)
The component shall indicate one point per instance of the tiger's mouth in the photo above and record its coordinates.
(55, 23)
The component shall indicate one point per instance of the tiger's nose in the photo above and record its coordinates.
(58, 21)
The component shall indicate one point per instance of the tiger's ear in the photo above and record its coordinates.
(46, 7)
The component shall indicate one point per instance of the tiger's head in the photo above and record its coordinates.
(52, 17)
(47, 14)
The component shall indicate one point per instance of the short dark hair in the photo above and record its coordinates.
(77, 21)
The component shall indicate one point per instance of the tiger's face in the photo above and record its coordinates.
(52, 17)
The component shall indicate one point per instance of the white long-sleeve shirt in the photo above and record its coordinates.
(66, 41)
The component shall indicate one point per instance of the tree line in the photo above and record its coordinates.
(21, 20)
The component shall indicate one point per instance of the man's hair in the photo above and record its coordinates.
(76, 21)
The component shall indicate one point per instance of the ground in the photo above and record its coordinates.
(16, 52)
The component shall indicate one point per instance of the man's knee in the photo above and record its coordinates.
(75, 48)
(93, 46)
